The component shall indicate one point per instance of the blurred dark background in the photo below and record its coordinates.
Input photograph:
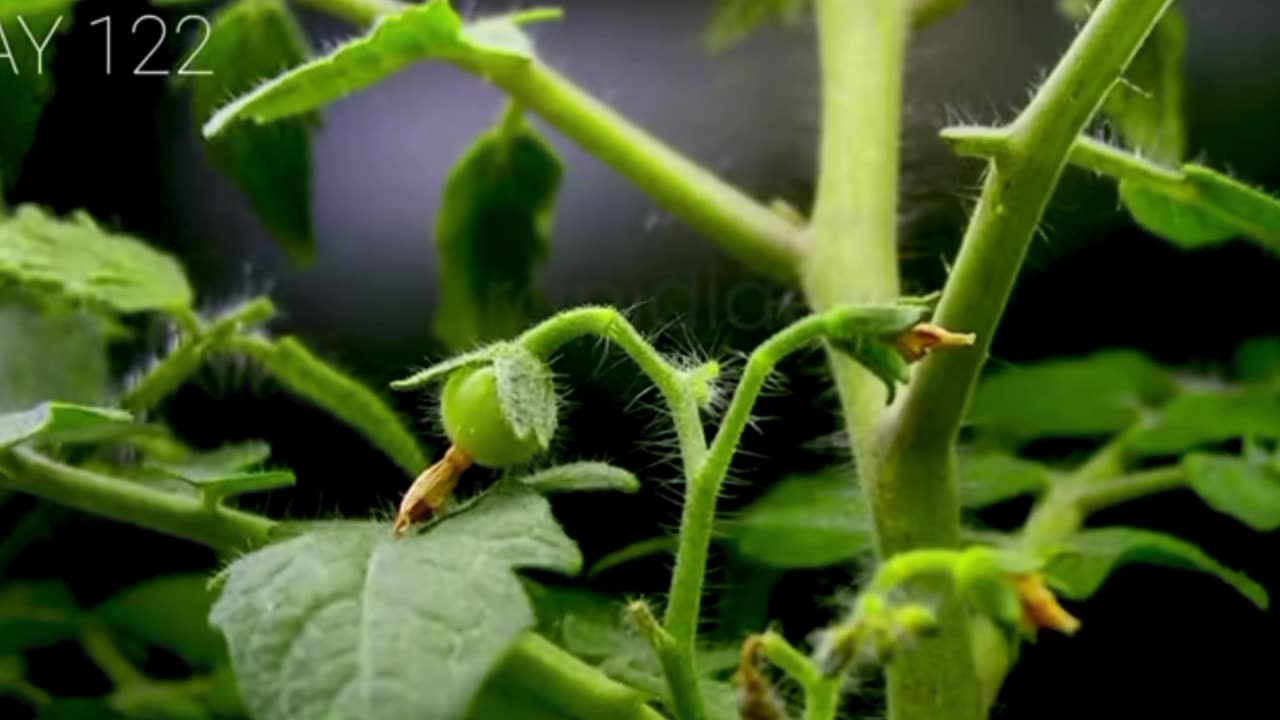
(1155, 642)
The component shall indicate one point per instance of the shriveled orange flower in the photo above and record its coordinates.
(1040, 608)
(429, 492)
(915, 343)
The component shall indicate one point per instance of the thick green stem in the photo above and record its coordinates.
(182, 516)
(853, 257)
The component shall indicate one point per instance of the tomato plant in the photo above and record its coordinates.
(474, 602)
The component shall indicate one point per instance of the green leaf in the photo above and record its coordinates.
(168, 612)
(308, 376)
(1094, 554)
(733, 20)
(579, 476)
(69, 708)
(35, 615)
(528, 394)
(1206, 208)
(26, 75)
(80, 261)
(251, 40)
(1094, 395)
(227, 471)
(1258, 360)
(993, 477)
(805, 521)
(1205, 417)
(50, 352)
(59, 421)
(431, 31)
(492, 230)
(1247, 491)
(349, 621)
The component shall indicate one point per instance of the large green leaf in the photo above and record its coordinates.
(168, 612)
(491, 233)
(251, 40)
(349, 621)
(78, 260)
(420, 32)
(805, 521)
(1196, 418)
(989, 478)
(59, 421)
(1205, 208)
(1094, 554)
(734, 20)
(26, 74)
(305, 374)
(50, 352)
(1246, 490)
(36, 614)
(1094, 395)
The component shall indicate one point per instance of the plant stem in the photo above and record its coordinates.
(1032, 153)
(182, 516)
(1100, 496)
(758, 237)
(356, 12)
(755, 235)
(853, 257)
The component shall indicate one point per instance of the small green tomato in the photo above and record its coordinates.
(475, 423)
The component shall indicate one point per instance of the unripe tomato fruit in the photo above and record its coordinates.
(475, 423)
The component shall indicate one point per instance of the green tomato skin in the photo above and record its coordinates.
(475, 424)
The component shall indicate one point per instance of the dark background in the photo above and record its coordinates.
(1155, 642)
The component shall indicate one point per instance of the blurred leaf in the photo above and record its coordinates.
(1205, 208)
(661, 545)
(349, 621)
(1245, 490)
(1258, 359)
(251, 40)
(78, 709)
(579, 476)
(36, 614)
(308, 376)
(431, 31)
(58, 420)
(158, 701)
(1196, 418)
(1098, 394)
(52, 352)
(993, 477)
(168, 612)
(733, 20)
(227, 471)
(805, 521)
(26, 75)
(492, 230)
(528, 395)
(79, 260)
(1095, 554)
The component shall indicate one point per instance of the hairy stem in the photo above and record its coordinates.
(758, 237)
(182, 516)
(853, 257)
(1029, 158)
